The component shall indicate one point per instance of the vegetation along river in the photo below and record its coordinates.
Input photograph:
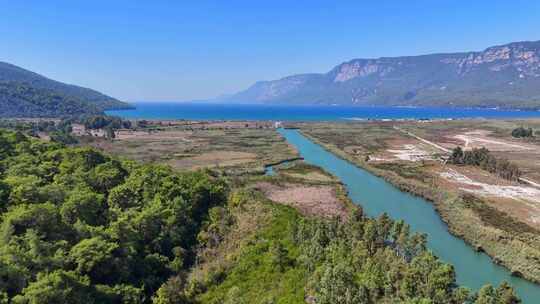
(376, 196)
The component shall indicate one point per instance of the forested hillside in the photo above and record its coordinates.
(27, 94)
(78, 226)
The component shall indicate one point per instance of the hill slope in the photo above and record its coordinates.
(500, 76)
(25, 93)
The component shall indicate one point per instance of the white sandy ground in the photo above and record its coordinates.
(470, 140)
(380, 159)
(411, 153)
(528, 195)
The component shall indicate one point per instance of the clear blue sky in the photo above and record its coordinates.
(181, 50)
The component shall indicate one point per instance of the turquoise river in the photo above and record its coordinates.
(376, 196)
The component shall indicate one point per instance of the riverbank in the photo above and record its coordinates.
(505, 239)
(271, 253)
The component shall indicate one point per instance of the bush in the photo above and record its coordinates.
(522, 132)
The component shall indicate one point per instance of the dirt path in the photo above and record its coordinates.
(470, 139)
(530, 182)
(424, 140)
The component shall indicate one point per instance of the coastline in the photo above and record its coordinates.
(298, 113)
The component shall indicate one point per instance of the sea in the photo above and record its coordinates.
(210, 111)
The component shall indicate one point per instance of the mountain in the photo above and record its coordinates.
(505, 76)
(27, 94)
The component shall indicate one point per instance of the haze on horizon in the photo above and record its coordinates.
(183, 51)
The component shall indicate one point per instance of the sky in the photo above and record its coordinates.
(186, 50)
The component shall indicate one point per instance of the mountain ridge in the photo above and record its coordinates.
(24, 93)
(506, 76)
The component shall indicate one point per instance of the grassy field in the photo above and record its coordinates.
(233, 148)
(494, 215)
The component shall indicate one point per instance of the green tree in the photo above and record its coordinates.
(58, 287)
(487, 295)
(94, 257)
(172, 292)
(279, 256)
(337, 286)
(506, 294)
(42, 218)
(84, 205)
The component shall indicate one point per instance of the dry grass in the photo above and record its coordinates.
(213, 159)
(224, 145)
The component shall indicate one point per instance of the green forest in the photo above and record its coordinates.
(25, 100)
(27, 94)
(78, 226)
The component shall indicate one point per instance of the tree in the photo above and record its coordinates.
(506, 294)
(23, 189)
(58, 287)
(107, 175)
(521, 132)
(109, 132)
(486, 295)
(337, 286)
(94, 257)
(457, 155)
(234, 296)
(42, 218)
(279, 256)
(83, 205)
(12, 279)
(172, 292)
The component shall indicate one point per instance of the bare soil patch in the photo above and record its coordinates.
(518, 200)
(411, 153)
(309, 200)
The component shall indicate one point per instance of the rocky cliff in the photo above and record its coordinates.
(500, 76)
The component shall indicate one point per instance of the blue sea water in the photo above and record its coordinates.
(207, 111)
